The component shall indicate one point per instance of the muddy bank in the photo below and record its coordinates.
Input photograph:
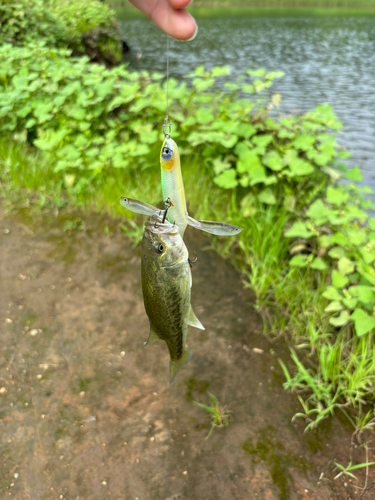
(87, 412)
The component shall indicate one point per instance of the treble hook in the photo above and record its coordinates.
(191, 262)
(167, 127)
(167, 204)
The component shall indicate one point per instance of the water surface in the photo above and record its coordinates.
(325, 58)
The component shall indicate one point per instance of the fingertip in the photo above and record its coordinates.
(179, 4)
(185, 27)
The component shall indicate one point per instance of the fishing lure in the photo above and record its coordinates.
(212, 227)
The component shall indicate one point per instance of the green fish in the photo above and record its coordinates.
(166, 288)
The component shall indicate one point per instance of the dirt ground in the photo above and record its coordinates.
(86, 412)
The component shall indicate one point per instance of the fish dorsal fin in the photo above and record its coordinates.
(176, 364)
(152, 337)
(194, 321)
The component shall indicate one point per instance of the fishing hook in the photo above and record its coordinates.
(191, 262)
(168, 205)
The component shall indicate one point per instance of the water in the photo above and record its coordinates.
(325, 58)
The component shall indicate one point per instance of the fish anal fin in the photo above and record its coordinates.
(194, 321)
(152, 337)
(175, 364)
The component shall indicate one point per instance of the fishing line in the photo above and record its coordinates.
(167, 126)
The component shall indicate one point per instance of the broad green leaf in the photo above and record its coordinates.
(367, 272)
(273, 161)
(354, 175)
(262, 141)
(364, 294)
(345, 266)
(304, 142)
(318, 264)
(245, 130)
(340, 320)
(204, 116)
(300, 167)
(331, 293)
(338, 279)
(363, 322)
(334, 306)
(337, 196)
(318, 212)
(267, 196)
(257, 175)
(299, 230)
(368, 255)
(350, 303)
(298, 261)
(336, 253)
(221, 165)
(227, 179)
(248, 162)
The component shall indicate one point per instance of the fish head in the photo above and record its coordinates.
(169, 154)
(163, 244)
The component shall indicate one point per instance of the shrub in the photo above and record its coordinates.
(24, 21)
(93, 27)
(86, 27)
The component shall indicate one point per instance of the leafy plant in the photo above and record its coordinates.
(220, 414)
(307, 248)
(347, 470)
(86, 27)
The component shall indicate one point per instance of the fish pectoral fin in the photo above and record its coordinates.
(194, 321)
(153, 337)
(175, 364)
(212, 227)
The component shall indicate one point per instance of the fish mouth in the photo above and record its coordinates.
(156, 227)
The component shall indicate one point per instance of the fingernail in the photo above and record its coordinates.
(195, 34)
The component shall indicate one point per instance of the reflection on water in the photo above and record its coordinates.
(326, 59)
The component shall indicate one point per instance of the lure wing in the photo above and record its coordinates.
(212, 227)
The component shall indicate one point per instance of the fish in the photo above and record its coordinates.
(166, 289)
(212, 227)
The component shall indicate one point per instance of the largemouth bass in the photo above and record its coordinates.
(212, 227)
(166, 288)
(173, 191)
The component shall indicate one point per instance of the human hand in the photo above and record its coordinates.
(169, 16)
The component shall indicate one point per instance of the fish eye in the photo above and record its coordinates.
(159, 248)
(166, 153)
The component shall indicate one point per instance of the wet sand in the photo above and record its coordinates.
(86, 412)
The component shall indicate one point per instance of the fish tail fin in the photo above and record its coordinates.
(175, 365)
(152, 337)
(194, 321)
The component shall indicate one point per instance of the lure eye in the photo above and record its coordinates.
(159, 248)
(166, 153)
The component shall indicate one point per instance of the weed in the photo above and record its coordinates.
(219, 413)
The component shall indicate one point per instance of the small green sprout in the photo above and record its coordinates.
(346, 470)
(220, 414)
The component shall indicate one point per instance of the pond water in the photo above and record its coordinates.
(325, 58)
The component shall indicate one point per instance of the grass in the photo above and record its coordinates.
(219, 413)
(330, 371)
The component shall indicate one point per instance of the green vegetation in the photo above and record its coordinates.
(83, 134)
(92, 27)
(219, 414)
(86, 27)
